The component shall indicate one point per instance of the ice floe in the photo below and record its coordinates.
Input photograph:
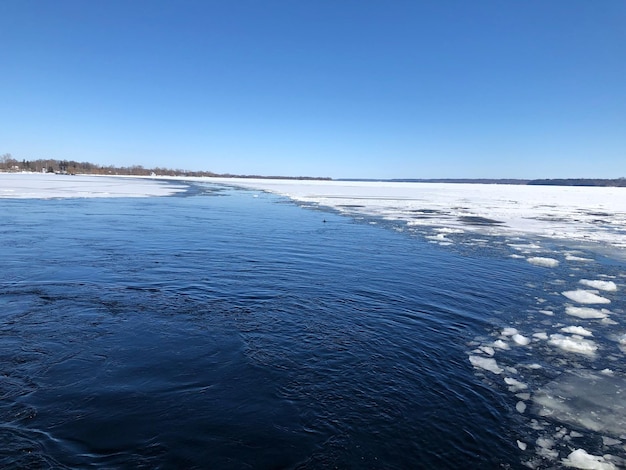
(519, 339)
(571, 213)
(575, 344)
(545, 262)
(577, 330)
(586, 400)
(486, 363)
(586, 312)
(514, 384)
(585, 297)
(581, 459)
(609, 286)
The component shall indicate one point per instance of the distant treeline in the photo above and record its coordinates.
(619, 182)
(72, 167)
(463, 180)
(8, 163)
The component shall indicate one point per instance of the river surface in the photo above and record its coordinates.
(231, 328)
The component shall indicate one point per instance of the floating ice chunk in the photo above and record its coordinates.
(520, 406)
(585, 297)
(545, 262)
(500, 344)
(581, 459)
(577, 258)
(519, 339)
(521, 445)
(609, 441)
(545, 448)
(536, 425)
(577, 330)
(586, 312)
(486, 363)
(515, 385)
(509, 332)
(524, 246)
(487, 350)
(523, 396)
(607, 372)
(609, 286)
(541, 335)
(573, 344)
(449, 230)
(547, 312)
(561, 433)
(439, 236)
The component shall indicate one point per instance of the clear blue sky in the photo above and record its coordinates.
(339, 88)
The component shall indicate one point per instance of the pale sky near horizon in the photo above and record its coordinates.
(339, 88)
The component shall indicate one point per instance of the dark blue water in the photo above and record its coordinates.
(225, 330)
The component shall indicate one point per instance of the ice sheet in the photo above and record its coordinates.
(50, 185)
(586, 214)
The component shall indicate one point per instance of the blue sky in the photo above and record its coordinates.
(349, 88)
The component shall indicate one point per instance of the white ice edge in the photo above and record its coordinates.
(584, 214)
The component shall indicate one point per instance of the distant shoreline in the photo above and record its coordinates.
(616, 182)
(589, 182)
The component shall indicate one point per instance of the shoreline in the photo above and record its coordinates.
(576, 215)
